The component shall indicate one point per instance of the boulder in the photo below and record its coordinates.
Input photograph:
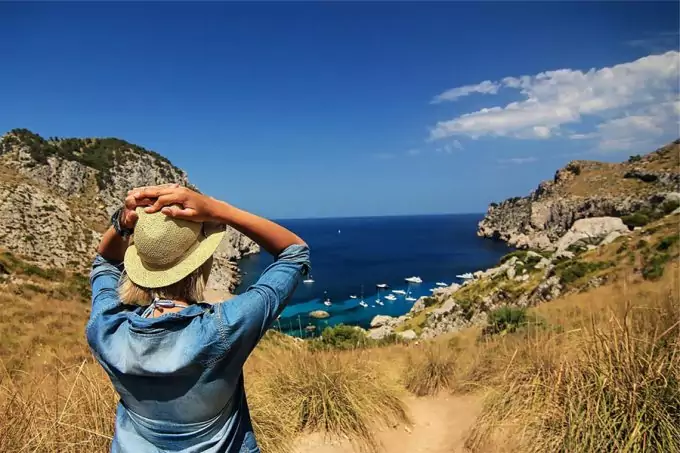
(418, 306)
(408, 335)
(591, 231)
(380, 332)
(381, 320)
(545, 262)
(510, 273)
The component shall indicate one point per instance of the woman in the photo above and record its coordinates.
(177, 362)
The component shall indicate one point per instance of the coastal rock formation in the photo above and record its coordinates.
(58, 194)
(592, 231)
(319, 314)
(584, 189)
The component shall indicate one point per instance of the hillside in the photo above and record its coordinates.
(58, 194)
(585, 189)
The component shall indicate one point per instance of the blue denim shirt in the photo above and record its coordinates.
(180, 375)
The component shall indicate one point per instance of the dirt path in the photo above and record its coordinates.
(440, 426)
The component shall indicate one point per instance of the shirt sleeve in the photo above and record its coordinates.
(104, 279)
(247, 317)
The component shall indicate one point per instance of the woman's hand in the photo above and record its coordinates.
(174, 201)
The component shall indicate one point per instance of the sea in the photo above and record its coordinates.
(350, 256)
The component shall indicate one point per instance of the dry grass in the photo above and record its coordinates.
(63, 409)
(608, 380)
(430, 368)
(341, 394)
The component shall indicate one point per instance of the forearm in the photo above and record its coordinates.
(269, 235)
(112, 245)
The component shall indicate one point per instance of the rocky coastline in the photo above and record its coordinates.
(588, 206)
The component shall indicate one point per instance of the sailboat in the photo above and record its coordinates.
(391, 297)
(353, 296)
(309, 280)
(409, 297)
(378, 301)
(327, 302)
(362, 303)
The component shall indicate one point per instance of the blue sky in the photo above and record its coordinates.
(308, 110)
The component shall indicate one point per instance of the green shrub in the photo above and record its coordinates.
(636, 219)
(506, 319)
(668, 242)
(634, 158)
(341, 337)
(669, 206)
(570, 271)
(519, 254)
(577, 247)
(654, 266)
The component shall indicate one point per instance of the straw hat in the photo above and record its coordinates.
(165, 250)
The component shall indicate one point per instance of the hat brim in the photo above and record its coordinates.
(148, 277)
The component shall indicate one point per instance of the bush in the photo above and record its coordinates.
(654, 267)
(570, 271)
(637, 219)
(668, 242)
(340, 395)
(519, 254)
(430, 369)
(506, 319)
(634, 158)
(669, 206)
(340, 337)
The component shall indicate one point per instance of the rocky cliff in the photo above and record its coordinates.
(585, 189)
(56, 196)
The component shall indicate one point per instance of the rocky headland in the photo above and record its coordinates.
(594, 223)
(57, 195)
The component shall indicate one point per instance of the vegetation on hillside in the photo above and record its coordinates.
(101, 154)
(596, 370)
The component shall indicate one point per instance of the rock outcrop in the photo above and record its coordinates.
(58, 194)
(584, 189)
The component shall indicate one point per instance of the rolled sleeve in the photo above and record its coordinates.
(248, 316)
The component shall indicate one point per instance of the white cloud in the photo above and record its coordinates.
(517, 160)
(636, 131)
(450, 148)
(556, 98)
(485, 87)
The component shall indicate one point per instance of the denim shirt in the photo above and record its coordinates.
(180, 375)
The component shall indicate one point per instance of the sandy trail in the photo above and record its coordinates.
(439, 426)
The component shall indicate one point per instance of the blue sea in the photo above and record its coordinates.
(348, 253)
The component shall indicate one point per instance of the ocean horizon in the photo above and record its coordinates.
(354, 253)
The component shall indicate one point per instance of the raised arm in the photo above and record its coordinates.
(184, 203)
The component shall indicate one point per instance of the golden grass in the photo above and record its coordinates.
(606, 379)
(342, 394)
(430, 368)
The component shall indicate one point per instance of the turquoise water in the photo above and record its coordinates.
(350, 252)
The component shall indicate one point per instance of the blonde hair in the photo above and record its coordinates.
(190, 289)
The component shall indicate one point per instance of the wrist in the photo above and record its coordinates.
(221, 212)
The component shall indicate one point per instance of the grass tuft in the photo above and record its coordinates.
(430, 369)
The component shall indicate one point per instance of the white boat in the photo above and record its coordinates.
(432, 290)
(414, 279)
(411, 299)
(381, 285)
(391, 297)
(363, 304)
(352, 296)
(308, 280)
(399, 291)
(466, 276)
(327, 302)
(441, 284)
(379, 302)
